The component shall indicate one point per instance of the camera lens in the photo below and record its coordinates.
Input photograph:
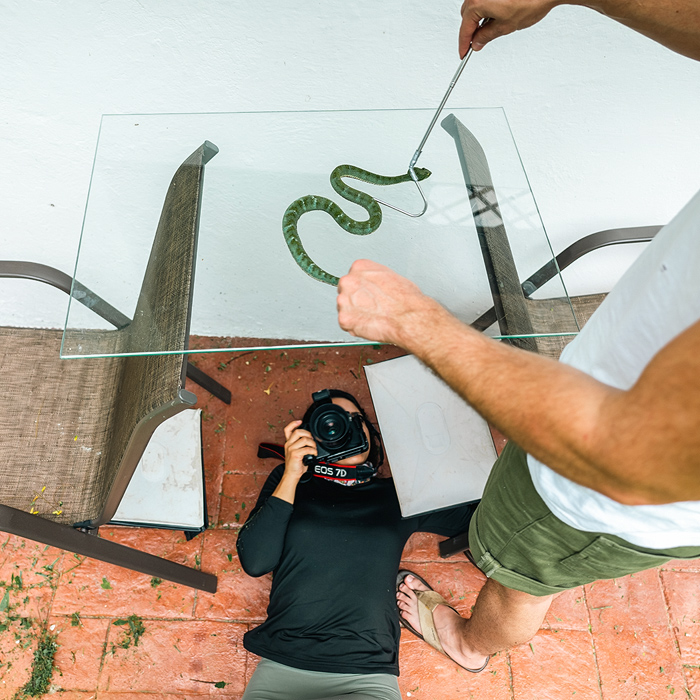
(330, 426)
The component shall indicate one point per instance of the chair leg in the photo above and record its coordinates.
(22, 524)
(458, 543)
(208, 383)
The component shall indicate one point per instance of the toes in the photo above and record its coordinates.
(405, 593)
(408, 612)
(414, 584)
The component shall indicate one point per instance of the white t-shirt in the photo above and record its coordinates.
(656, 299)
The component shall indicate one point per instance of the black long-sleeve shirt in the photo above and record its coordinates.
(334, 555)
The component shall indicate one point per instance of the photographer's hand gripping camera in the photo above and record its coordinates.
(338, 435)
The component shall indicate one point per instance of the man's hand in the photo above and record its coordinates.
(673, 23)
(376, 303)
(505, 17)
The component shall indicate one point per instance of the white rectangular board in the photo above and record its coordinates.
(439, 448)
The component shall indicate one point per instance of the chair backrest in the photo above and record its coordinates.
(53, 425)
(72, 431)
(151, 387)
(516, 314)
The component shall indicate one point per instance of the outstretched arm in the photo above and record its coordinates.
(673, 23)
(638, 446)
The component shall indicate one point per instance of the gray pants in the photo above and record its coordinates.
(273, 681)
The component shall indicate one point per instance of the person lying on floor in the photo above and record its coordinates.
(333, 543)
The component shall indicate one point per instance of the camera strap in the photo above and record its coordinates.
(269, 449)
(342, 472)
(324, 470)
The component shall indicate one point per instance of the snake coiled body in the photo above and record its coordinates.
(316, 203)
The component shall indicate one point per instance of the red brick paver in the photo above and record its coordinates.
(556, 665)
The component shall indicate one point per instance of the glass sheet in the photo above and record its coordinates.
(248, 290)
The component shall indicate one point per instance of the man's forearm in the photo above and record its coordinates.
(551, 410)
(673, 23)
(638, 446)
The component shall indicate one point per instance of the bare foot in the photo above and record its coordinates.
(450, 626)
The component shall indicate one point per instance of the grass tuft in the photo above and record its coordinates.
(42, 669)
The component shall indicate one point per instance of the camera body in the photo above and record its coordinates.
(338, 434)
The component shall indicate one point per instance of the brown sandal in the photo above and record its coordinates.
(427, 602)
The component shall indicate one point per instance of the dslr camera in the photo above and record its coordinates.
(338, 434)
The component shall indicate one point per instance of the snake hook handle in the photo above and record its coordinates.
(419, 150)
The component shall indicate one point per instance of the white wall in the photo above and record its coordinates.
(606, 121)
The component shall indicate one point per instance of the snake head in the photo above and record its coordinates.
(422, 173)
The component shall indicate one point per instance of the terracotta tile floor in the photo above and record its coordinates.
(637, 637)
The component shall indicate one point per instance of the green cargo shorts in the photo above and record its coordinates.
(516, 540)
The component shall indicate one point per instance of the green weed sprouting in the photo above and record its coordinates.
(42, 668)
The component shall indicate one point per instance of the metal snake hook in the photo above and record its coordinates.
(419, 150)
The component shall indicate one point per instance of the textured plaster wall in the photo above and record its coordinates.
(605, 120)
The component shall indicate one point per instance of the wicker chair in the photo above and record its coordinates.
(516, 313)
(72, 431)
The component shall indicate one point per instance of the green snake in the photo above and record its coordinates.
(359, 228)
